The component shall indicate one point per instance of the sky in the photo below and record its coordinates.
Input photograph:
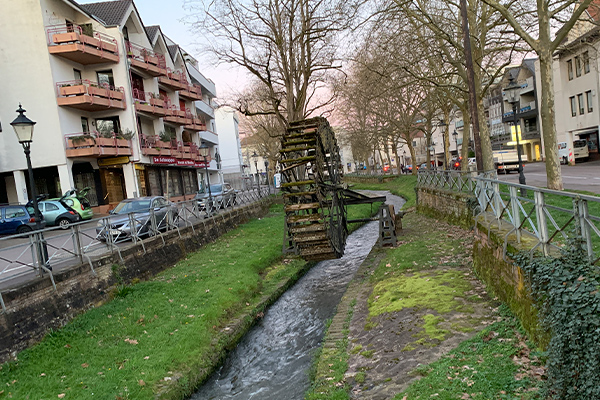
(169, 15)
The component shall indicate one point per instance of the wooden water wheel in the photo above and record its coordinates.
(315, 219)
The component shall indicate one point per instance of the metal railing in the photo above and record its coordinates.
(543, 219)
(21, 261)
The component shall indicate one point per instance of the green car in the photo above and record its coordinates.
(77, 201)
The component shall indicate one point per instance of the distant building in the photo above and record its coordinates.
(230, 149)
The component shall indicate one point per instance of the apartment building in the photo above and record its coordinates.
(120, 108)
(576, 87)
(232, 161)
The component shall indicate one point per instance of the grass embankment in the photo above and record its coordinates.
(403, 186)
(427, 284)
(156, 336)
(495, 364)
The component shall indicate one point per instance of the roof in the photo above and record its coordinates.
(173, 51)
(152, 31)
(111, 12)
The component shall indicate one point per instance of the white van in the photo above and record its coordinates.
(581, 151)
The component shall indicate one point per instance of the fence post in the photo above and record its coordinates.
(77, 242)
(516, 212)
(497, 200)
(585, 227)
(541, 220)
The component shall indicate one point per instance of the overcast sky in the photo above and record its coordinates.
(169, 14)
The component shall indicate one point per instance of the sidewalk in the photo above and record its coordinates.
(407, 307)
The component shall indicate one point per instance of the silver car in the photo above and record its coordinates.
(222, 195)
(142, 217)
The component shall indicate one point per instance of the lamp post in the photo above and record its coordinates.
(513, 91)
(404, 158)
(432, 149)
(205, 153)
(23, 128)
(455, 136)
(255, 158)
(442, 124)
(267, 174)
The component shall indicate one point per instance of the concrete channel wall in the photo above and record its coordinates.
(491, 263)
(35, 307)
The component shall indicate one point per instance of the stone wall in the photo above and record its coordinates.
(35, 307)
(504, 278)
(453, 207)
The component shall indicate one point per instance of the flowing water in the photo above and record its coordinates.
(272, 361)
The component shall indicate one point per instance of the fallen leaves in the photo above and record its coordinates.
(131, 341)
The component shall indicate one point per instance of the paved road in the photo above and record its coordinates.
(16, 254)
(581, 176)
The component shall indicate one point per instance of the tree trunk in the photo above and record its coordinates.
(484, 132)
(428, 141)
(413, 157)
(464, 149)
(446, 134)
(549, 121)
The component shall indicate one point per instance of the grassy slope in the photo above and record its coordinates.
(126, 348)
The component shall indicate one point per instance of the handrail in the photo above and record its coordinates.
(145, 55)
(103, 38)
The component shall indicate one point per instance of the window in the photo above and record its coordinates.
(573, 106)
(51, 207)
(105, 78)
(126, 33)
(77, 74)
(570, 69)
(85, 125)
(581, 105)
(586, 62)
(14, 212)
(590, 104)
(578, 66)
(106, 126)
(137, 83)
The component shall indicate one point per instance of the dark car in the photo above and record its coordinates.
(58, 213)
(119, 225)
(222, 195)
(18, 219)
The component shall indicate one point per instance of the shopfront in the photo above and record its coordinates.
(113, 179)
(169, 175)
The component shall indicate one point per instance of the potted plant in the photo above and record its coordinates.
(124, 137)
(85, 140)
(156, 100)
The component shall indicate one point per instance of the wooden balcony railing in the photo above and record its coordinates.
(87, 95)
(147, 60)
(93, 144)
(80, 43)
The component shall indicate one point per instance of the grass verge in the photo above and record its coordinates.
(331, 366)
(158, 338)
(495, 364)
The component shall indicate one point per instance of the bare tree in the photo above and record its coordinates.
(290, 46)
(535, 22)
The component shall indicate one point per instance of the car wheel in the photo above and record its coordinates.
(64, 223)
(24, 229)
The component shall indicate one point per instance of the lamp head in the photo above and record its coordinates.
(204, 150)
(512, 91)
(23, 127)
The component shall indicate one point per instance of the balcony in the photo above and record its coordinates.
(192, 92)
(82, 44)
(180, 117)
(174, 80)
(86, 144)
(146, 60)
(150, 103)
(86, 95)
(197, 125)
(151, 145)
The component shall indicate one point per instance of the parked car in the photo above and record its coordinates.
(18, 219)
(77, 201)
(118, 226)
(222, 195)
(57, 212)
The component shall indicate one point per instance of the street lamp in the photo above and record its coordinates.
(442, 124)
(204, 151)
(432, 149)
(267, 173)
(255, 158)
(404, 158)
(513, 91)
(23, 127)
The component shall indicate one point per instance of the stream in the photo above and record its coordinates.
(272, 361)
